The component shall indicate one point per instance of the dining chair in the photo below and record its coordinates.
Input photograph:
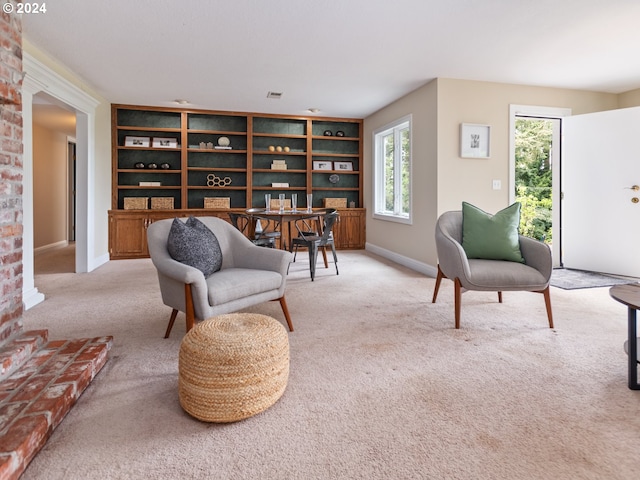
(314, 242)
(256, 232)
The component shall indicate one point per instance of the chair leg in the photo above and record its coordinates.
(191, 318)
(335, 257)
(547, 301)
(324, 256)
(313, 258)
(172, 319)
(285, 310)
(457, 300)
(437, 287)
(499, 297)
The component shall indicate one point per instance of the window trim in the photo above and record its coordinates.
(378, 171)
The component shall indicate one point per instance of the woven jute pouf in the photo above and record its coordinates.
(233, 366)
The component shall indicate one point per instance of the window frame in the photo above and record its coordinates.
(379, 170)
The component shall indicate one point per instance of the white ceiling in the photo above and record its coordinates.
(348, 58)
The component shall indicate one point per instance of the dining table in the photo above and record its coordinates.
(310, 219)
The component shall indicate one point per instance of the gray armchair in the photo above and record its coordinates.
(489, 275)
(249, 275)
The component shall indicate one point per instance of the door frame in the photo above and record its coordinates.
(542, 113)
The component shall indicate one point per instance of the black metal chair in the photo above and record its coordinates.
(262, 236)
(315, 242)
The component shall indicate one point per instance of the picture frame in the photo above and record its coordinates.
(475, 140)
(140, 142)
(343, 166)
(161, 142)
(322, 165)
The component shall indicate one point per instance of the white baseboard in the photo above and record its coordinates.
(98, 261)
(51, 246)
(421, 267)
(31, 298)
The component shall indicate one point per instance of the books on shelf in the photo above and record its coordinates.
(279, 185)
(279, 165)
(220, 147)
(149, 184)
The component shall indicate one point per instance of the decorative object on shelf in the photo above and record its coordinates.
(278, 148)
(274, 204)
(339, 133)
(136, 141)
(279, 165)
(149, 184)
(287, 149)
(279, 185)
(209, 145)
(165, 166)
(139, 165)
(474, 140)
(345, 166)
(136, 203)
(332, 202)
(352, 204)
(224, 142)
(203, 145)
(161, 203)
(217, 202)
(160, 142)
(321, 165)
(334, 178)
(215, 181)
(152, 166)
(328, 133)
(272, 148)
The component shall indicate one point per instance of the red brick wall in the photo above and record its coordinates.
(10, 175)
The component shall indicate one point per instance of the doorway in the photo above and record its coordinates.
(536, 173)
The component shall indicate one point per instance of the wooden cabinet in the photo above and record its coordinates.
(182, 158)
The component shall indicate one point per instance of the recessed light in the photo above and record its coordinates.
(275, 95)
(180, 101)
(314, 110)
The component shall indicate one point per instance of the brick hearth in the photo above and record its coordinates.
(40, 381)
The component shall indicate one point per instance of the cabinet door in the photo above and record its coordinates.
(349, 231)
(128, 235)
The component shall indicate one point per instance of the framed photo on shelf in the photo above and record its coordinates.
(344, 166)
(321, 165)
(159, 142)
(136, 141)
(475, 140)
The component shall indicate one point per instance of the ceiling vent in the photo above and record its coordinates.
(276, 95)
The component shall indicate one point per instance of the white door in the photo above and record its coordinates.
(600, 209)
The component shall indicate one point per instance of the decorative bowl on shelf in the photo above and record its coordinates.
(224, 141)
(334, 178)
(339, 133)
(152, 165)
(328, 133)
(139, 165)
(165, 166)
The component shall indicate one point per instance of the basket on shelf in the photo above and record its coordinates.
(217, 202)
(136, 203)
(335, 202)
(161, 203)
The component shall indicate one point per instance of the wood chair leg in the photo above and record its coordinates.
(172, 319)
(191, 318)
(285, 310)
(439, 278)
(457, 300)
(499, 297)
(547, 301)
(324, 256)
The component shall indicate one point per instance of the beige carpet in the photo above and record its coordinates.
(381, 386)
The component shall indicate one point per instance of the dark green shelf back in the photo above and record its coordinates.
(150, 192)
(279, 126)
(321, 180)
(133, 179)
(265, 179)
(297, 145)
(237, 142)
(199, 179)
(195, 198)
(217, 160)
(294, 162)
(223, 123)
(350, 129)
(146, 118)
(128, 158)
(349, 147)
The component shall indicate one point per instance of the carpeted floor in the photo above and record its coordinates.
(381, 384)
(569, 279)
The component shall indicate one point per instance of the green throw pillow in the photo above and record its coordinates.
(493, 237)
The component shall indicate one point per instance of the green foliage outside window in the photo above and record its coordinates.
(533, 177)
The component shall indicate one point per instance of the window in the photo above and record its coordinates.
(392, 171)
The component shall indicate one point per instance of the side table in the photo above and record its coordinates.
(629, 295)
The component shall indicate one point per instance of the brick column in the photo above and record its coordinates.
(10, 175)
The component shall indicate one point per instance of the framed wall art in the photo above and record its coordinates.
(159, 142)
(345, 166)
(321, 165)
(130, 141)
(475, 140)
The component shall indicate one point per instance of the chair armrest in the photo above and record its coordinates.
(536, 254)
(452, 258)
(178, 271)
(262, 258)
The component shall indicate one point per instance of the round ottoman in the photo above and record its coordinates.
(233, 366)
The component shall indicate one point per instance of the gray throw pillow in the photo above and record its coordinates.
(193, 244)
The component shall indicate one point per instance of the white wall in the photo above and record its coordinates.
(50, 187)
